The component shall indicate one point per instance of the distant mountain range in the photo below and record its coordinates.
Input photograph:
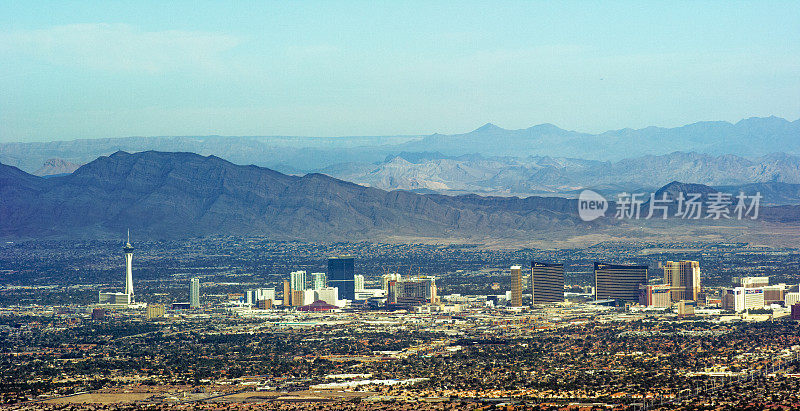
(749, 138)
(179, 195)
(775, 175)
(759, 154)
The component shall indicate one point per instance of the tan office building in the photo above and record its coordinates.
(683, 278)
(516, 286)
(287, 293)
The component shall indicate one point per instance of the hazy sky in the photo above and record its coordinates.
(110, 69)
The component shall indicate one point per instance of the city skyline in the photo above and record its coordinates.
(400, 205)
(451, 318)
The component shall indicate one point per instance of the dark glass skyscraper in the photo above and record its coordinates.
(618, 282)
(547, 282)
(342, 275)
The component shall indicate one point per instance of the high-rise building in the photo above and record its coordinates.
(412, 291)
(264, 294)
(309, 296)
(683, 278)
(319, 281)
(547, 282)
(796, 312)
(358, 282)
(252, 297)
(287, 293)
(389, 277)
(341, 275)
(194, 293)
(128, 250)
(516, 286)
(618, 282)
(298, 280)
(298, 298)
(657, 295)
(125, 297)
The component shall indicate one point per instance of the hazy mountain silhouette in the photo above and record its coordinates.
(173, 195)
(179, 195)
(748, 138)
(536, 175)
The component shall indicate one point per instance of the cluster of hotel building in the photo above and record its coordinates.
(340, 286)
(614, 285)
(337, 288)
(680, 287)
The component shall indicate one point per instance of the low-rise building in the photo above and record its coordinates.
(792, 299)
(329, 295)
(750, 282)
(98, 314)
(155, 311)
(368, 293)
(741, 299)
(686, 308)
(774, 294)
(657, 295)
(114, 298)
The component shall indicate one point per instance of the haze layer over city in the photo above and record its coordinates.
(390, 206)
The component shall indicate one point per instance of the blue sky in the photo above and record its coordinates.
(110, 69)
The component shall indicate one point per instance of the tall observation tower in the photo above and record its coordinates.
(128, 249)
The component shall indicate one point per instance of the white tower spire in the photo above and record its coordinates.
(128, 249)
